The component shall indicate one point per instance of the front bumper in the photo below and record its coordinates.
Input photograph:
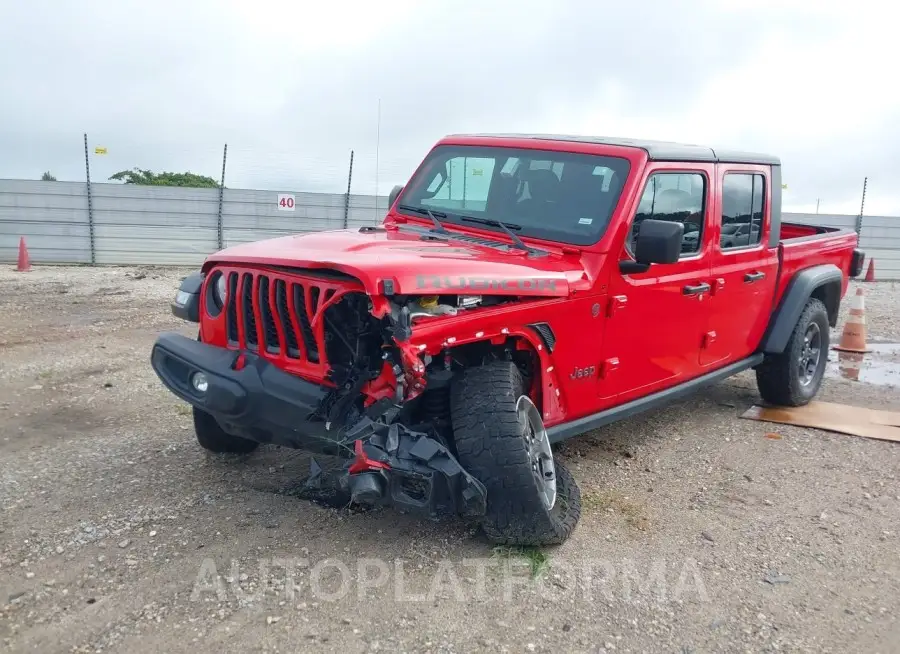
(258, 401)
(390, 463)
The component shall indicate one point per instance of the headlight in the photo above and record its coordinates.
(220, 290)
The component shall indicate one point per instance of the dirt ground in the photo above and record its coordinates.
(701, 531)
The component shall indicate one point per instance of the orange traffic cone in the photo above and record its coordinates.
(870, 273)
(853, 339)
(24, 264)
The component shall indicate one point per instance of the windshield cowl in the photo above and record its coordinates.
(481, 238)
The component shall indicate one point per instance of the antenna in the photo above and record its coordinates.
(862, 207)
(377, 146)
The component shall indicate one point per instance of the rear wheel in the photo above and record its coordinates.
(213, 438)
(500, 439)
(793, 377)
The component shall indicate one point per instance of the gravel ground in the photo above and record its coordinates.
(701, 532)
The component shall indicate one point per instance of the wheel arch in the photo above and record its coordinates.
(544, 386)
(822, 282)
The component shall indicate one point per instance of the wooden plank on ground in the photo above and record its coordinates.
(841, 418)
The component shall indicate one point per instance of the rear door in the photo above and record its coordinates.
(744, 267)
(657, 319)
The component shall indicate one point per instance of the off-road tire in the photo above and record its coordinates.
(490, 445)
(778, 377)
(213, 438)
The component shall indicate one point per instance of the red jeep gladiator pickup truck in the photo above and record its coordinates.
(521, 290)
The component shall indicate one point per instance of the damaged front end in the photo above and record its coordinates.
(308, 360)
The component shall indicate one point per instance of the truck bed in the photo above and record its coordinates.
(804, 246)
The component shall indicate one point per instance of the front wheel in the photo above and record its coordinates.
(500, 438)
(793, 377)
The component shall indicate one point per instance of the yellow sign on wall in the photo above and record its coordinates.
(99, 150)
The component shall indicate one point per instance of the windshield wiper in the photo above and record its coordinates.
(438, 226)
(440, 229)
(506, 227)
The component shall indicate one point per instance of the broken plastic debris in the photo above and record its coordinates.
(315, 474)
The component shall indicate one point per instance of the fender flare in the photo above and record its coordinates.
(798, 292)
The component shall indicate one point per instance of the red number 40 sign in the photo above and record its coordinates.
(285, 202)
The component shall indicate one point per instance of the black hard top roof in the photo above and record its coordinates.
(656, 150)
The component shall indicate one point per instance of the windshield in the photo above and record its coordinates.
(558, 196)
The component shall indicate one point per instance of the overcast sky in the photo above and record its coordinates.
(292, 87)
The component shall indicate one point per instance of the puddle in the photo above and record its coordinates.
(880, 367)
(884, 348)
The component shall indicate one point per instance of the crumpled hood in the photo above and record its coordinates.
(382, 259)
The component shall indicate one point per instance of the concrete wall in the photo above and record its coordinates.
(179, 226)
(52, 216)
(153, 224)
(157, 224)
(879, 238)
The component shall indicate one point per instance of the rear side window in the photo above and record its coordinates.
(743, 196)
(677, 197)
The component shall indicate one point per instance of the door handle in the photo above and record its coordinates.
(749, 278)
(695, 290)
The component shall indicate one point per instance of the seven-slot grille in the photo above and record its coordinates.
(279, 316)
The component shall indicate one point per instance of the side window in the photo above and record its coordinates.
(678, 197)
(743, 198)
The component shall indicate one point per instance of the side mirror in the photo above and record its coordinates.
(658, 241)
(392, 197)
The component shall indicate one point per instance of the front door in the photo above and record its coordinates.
(744, 263)
(657, 319)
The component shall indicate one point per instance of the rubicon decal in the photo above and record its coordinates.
(460, 283)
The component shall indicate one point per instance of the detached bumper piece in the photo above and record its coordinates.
(411, 471)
